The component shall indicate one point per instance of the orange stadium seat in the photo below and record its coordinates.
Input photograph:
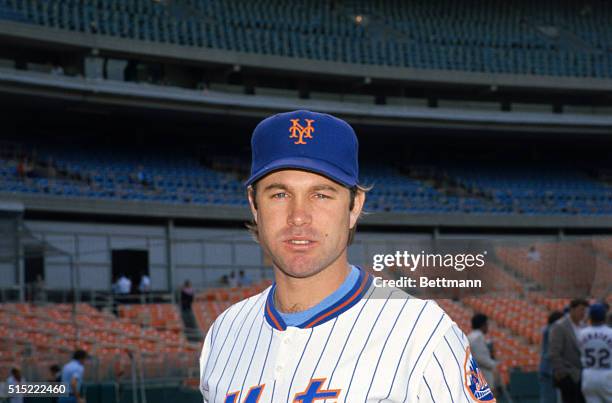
(212, 302)
(52, 332)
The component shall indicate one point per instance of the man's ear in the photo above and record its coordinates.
(252, 202)
(355, 213)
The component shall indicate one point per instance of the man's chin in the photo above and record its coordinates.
(295, 271)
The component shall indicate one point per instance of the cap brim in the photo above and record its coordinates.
(307, 164)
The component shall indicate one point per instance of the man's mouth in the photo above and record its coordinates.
(300, 243)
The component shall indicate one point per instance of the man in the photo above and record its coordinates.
(596, 349)
(548, 391)
(480, 349)
(243, 279)
(145, 287)
(322, 331)
(533, 255)
(233, 280)
(72, 374)
(564, 351)
(124, 285)
(55, 375)
(145, 283)
(187, 295)
(15, 378)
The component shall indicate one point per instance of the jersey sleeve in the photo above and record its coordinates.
(203, 361)
(452, 374)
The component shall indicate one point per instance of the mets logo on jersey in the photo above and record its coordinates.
(300, 132)
(475, 381)
(313, 392)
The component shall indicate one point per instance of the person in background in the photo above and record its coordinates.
(55, 375)
(533, 255)
(187, 293)
(224, 280)
(21, 168)
(124, 285)
(145, 283)
(139, 176)
(564, 351)
(548, 392)
(57, 70)
(145, 286)
(243, 280)
(596, 351)
(15, 378)
(72, 375)
(39, 290)
(481, 350)
(233, 280)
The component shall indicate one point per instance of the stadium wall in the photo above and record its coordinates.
(201, 255)
(91, 245)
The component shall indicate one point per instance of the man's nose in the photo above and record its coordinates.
(300, 213)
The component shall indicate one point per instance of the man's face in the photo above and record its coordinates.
(304, 220)
(578, 313)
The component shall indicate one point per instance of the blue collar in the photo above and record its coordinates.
(353, 296)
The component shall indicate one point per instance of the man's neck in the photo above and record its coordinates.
(299, 294)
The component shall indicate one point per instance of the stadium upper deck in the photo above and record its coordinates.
(570, 39)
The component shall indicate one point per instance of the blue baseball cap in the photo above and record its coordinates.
(315, 142)
(597, 312)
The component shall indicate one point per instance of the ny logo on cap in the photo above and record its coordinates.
(300, 132)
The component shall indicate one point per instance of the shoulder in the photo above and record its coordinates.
(475, 336)
(420, 309)
(241, 309)
(559, 325)
(75, 366)
(600, 331)
(390, 301)
(423, 321)
(429, 342)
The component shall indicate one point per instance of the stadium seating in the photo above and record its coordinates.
(544, 38)
(38, 336)
(494, 280)
(522, 317)
(177, 176)
(603, 245)
(564, 269)
(554, 190)
(158, 316)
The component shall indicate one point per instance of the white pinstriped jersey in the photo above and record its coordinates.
(374, 345)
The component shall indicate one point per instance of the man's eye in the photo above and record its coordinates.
(322, 196)
(281, 195)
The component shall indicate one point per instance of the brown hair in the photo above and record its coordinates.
(252, 225)
(578, 302)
